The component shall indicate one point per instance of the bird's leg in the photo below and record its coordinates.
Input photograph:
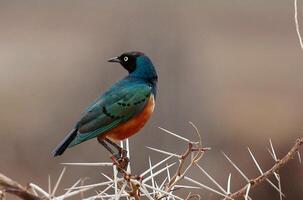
(103, 143)
(121, 159)
(121, 151)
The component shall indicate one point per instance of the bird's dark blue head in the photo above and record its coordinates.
(138, 65)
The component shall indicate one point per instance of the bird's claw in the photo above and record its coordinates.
(116, 156)
(121, 160)
(127, 177)
(121, 154)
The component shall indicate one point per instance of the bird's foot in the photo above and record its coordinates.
(128, 176)
(121, 154)
(121, 161)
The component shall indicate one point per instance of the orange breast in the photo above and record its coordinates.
(133, 125)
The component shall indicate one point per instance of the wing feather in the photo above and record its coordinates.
(111, 110)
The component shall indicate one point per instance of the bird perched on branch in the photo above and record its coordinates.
(122, 110)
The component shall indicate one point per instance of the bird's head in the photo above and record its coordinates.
(128, 60)
(137, 64)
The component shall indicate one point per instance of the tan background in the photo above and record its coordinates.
(233, 67)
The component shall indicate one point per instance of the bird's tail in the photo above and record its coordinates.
(65, 142)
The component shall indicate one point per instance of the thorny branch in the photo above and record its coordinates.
(279, 164)
(196, 151)
(297, 24)
(137, 188)
(7, 185)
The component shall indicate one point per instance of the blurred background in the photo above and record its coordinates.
(234, 68)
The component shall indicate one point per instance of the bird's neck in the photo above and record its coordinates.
(145, 70)
(151, 80)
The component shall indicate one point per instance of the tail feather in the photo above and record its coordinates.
(59, 150)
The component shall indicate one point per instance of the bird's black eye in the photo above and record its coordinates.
(125, 58)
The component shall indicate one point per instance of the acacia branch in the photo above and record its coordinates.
(297, 24)
(196, 151)
(279, 164)
(9, 186)
(180, 172)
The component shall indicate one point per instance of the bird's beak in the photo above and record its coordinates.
(114, 59)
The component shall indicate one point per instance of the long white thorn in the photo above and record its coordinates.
(261, 172)
(164, 152)
(272, 155)
(297, 24)
(108, 196)
(228, 184)
(176, 135)
(163, 192)
(116, 181)
(275, 187)
(145, 192)
(73, 193)
(168, 174)
(247, 191)
(122, 190)
(158, 172)
(34, 191)
(156, 165)
(101, 164)
(273, 150)
(236, 167)
(211, 178)
(99, 194)
(156, 185)
(187, 187)
(168, 181)
(255, 161)
(93, 185)
(128, 155)
(58, 182)
(49, 185)
(299, 157)
(151, 174)
(71, 188)
(205, 187)
(279, 184)
(110, 179)
(197, 132)
(39, 189)
(162, 184)
(188, 167)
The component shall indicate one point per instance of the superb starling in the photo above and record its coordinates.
(122, 110)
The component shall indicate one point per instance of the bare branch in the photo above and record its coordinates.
(12, 187)
(128, 186)
(297, 24)
(279, 164)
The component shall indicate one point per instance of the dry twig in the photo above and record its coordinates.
(131, 187)
(297, 24)
(194, 151)
(279, 164)
(12, 187)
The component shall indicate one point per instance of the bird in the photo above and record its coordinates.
(122, 110)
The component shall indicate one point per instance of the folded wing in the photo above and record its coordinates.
(110, 110)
